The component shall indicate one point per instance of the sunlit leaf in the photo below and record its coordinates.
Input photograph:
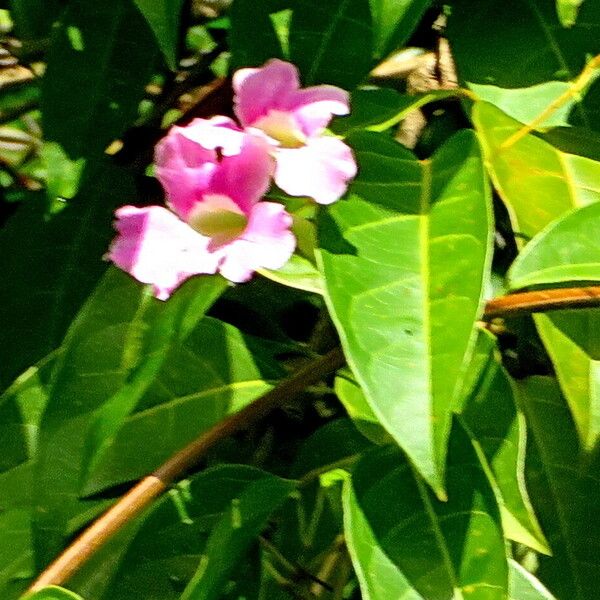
(214, 372)
(537, 182)
(112, 353)
(189, 527)
(407, 539)
(520, 48)
(405, 258)
(498, 428)
(571, 339)
(567, 250)
(565, 487)
(524, 586)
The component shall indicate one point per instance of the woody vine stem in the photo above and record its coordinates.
(154, 485)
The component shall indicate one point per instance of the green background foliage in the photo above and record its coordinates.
(451, 458)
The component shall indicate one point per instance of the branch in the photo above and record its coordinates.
(149, 488)
(152, 486)
(542, 301)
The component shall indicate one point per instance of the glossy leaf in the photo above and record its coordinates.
(567, 250)
(45, 281)
(499, 430)
(95, 76)
(252, 37)
(298, 273)
(565, 486)
(522, 48)
(332, 42)
(53, 592)
(163, 18)
(524, 586)
(183, 528)
(571, 339)
(378, 109)
(214, 372)
(112, 353)
(355, 403)
(537, 182)
(452, 549)
(405, 259)
(394, 21)
(525, 104)
(235, 531)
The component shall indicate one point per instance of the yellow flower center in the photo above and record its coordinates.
(219, 218)
(282, 127)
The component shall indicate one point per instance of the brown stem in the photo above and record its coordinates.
(149, 488)
(542, 301)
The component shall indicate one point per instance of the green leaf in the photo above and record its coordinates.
(332, 42)
(232, 535)
(21, 406)
(155, 329)
(355, 403)
(525, 104)
(378, 109)
(566, 250)
(34, 18)
(567, 11)
(498, 429)
(101, 58)
(394, 21)
(163, 18)
(408, 539)
(504, 56)
(298, 273)
(53, 592)
(335, 443)
(565, 487)
(571, 339)
(537, 182)
(252, 37)
(112, 353)
(16, 551)
(524, 586)
(405, 258)
(214, 372)
(379, 577)
(45, 281)
(182, 531)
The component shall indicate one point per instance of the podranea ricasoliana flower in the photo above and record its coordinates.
(214, 175)
(269, 102)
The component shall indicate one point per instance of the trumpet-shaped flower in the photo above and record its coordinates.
(214, 175)
(269, 102)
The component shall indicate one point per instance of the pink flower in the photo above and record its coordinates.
(214, 175)
(270, 103)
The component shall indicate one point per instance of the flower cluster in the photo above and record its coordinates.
(215, 174)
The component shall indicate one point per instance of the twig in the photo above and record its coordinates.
(542, 301)
(152, 486)
(149, 488)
